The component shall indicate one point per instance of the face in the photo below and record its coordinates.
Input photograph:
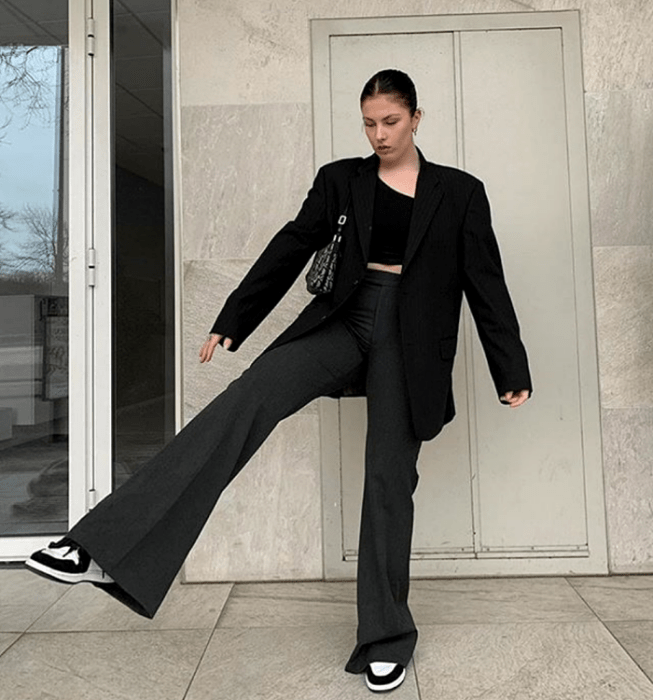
(389, 127)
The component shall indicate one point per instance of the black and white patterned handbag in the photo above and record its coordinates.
(320, 277)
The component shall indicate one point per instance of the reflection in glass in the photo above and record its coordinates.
(33, 271)
(143, 324)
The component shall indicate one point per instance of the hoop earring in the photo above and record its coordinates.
(415, 131)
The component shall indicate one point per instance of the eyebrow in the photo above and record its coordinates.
(387, 116)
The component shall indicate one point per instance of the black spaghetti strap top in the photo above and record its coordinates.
(390, 223)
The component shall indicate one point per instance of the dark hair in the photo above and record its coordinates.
(392, 82)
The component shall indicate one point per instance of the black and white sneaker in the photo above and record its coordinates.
(381, 676)
(67, 562)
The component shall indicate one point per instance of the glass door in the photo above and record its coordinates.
(86, 281)
(143, 271)
(34, 271)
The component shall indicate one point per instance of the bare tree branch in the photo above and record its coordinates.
(26, 80)
(44, 252)
(6, 215)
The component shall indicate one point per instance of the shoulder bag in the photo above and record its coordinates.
(320, 277)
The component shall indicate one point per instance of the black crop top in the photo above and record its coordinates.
(390, 223)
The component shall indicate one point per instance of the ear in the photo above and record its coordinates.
(417, 117)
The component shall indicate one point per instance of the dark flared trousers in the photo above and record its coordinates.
(141, 533)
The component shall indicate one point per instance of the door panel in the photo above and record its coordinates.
(143, 264)
(530, 462)
(500, 491)
(34, 279)
(430, 61)
(427, 58)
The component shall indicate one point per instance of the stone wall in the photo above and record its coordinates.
(246, 166)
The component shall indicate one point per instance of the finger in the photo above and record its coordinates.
(212, 345)
(227, 343)
(521, 398)
(506, 398)
(206, 351)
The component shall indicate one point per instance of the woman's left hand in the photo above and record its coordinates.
(515, 398)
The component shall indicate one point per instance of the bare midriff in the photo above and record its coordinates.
(386, 268)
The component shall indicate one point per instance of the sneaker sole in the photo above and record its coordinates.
(388, 686)
(62, 577)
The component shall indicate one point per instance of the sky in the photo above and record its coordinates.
(27, 159)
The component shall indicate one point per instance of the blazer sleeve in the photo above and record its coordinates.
(489, 300)
(276, 268)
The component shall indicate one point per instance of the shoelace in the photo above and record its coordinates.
(73, 548)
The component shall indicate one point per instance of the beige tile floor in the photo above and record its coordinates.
(571, 638)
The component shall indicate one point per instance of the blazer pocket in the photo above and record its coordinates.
(448, 347)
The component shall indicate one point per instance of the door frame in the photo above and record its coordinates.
(91, 253)
(595, 559)
(86, 385)
(91, 331)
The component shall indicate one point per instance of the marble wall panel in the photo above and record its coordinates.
(259, 51)
(624, 303)
(617, 51)
(207, 283)
(628, 478)
(620, 153)
(245, 172)
(256, 52)
(267, 524)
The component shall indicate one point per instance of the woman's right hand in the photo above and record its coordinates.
(207, 350)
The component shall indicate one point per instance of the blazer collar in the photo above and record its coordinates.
(428, 195)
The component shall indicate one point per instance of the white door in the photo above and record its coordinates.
(86, 281)
(500, 491)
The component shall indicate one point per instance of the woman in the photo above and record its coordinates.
(417, 235)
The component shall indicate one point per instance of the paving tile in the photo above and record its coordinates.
(102, 665)
(495, 600)
(86, 608)
(617, 597)
(526, 661)
(24, 597)
(291, 604)
(636, 637)
(280, 663)
(6, 640)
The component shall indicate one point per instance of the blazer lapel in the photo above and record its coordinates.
(428, 196)
(362, 196)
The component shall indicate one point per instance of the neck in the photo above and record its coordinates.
(409, 162)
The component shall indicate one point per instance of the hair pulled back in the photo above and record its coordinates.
(392, 82)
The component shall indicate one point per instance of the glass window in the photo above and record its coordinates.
(33, 268)
(143, 370)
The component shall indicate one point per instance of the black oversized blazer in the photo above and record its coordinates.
(451, 249)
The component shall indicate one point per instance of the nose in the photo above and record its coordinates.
(380, 133)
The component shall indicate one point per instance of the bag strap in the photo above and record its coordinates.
(342, 219)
